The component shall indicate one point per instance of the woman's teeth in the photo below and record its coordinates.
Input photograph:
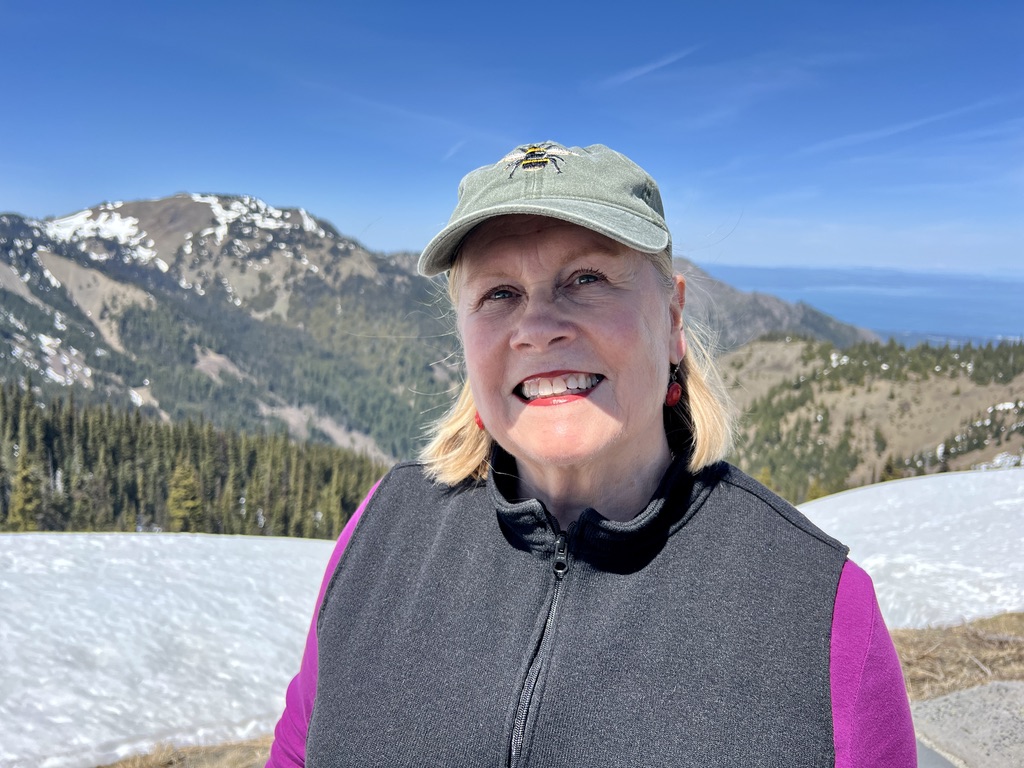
(558, 385)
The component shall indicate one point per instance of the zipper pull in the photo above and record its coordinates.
(561, 564)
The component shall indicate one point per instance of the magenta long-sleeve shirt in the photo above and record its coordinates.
(870, 713)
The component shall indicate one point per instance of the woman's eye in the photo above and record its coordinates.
(582, 278)
(498, 294)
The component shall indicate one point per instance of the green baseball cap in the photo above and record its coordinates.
(594, 187)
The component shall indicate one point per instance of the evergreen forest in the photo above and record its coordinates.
(65, 467)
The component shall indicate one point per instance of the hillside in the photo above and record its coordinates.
(251, 316)
(739, 317)
(226, 308)
(818, 419)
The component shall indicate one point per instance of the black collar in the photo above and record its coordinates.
(607, 544)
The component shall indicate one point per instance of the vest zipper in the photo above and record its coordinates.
(559, 566)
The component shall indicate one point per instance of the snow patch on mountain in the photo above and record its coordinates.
(309, 224)
(104, 224)
(249, 210)
(254, 212)
(48, 355)
(82, 224)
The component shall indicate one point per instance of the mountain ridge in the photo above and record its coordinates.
(253, 316)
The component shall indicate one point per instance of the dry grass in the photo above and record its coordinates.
(913, 416)
(248, 754)
(936, 661)
(942, 660)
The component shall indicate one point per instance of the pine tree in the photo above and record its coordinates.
(227, 505)
(889, 471)
(5, 490)
(815, 490)
(184, 502)
(26, 495)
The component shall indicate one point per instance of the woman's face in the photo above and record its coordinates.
(568, 339)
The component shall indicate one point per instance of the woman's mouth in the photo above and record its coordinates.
(557, 385)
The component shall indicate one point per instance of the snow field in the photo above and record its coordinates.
(941, 549)
(112, 643)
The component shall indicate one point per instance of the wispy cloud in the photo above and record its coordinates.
(646, 69)
(719, 93)
(407, 115)
(412, 120)
(1009, 132)
(865, 137)
(453, 151)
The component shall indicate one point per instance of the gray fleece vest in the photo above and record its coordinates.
(463, 629)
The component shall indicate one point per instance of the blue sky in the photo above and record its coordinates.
(887, 134)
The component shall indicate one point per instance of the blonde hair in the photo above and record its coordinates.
(700, 425)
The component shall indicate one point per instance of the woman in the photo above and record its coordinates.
(572, 575)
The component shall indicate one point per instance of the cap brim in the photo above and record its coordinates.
(616, 223)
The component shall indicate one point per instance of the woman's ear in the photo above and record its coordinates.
(678, 351)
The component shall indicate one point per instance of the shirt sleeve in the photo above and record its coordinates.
(288, 749)
(871, 718)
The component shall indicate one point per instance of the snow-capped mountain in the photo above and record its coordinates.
(176, 304)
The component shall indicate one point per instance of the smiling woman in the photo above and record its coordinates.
(545, 304)
(572, 575)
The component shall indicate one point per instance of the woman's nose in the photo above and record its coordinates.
(542, 323)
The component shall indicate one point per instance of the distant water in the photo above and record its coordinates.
(909, 306)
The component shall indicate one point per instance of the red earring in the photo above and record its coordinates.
(478, 420)
(674, 394)
(675, 389)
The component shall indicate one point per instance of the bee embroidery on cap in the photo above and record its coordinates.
(533, 157)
